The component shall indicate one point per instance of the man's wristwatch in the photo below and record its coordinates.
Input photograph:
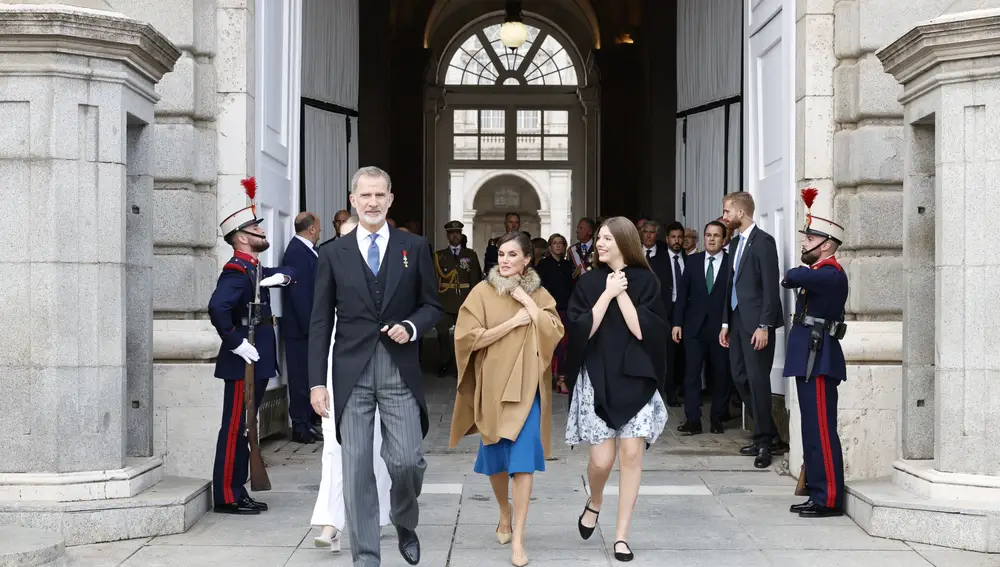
(763, 327)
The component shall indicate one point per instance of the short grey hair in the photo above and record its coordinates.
(652, 223)
(370, 171)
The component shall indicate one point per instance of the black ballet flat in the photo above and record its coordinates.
(623, 556)
(585, 531)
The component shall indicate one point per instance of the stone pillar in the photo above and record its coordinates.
(78, 196)
(868, 176)
(953, 114)
(75, 154)
(951, 102)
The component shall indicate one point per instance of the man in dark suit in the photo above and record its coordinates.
(658, 257)
(379, 284)
(296, 306)
(749, 318)
(701, 296)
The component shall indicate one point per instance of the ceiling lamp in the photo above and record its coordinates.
(513, 32)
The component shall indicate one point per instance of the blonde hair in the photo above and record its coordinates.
(741, 200)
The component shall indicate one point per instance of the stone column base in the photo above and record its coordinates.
(923, 505)
(922, 479)
(140, 474)
(30, 547)
(171, 506)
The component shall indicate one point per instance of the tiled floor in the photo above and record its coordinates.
(701, 505)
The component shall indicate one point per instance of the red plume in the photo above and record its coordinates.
(808, 196)
(250, 184)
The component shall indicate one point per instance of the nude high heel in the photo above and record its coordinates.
(505, 537)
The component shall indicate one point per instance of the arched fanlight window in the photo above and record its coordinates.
(483, 60)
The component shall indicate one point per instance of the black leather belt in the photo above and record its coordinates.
(837, 330)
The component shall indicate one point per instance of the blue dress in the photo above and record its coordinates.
(523, 455)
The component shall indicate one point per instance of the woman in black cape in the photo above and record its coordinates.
(617, 351)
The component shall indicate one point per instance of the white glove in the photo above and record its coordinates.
(276, 279)
(247, 351)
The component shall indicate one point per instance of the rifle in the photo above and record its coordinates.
(800, 488)
(259, 480)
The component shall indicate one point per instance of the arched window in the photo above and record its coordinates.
(483, 60)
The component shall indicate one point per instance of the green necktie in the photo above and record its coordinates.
(710, 274)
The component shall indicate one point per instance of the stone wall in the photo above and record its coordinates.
(850, 145)
(203, 146)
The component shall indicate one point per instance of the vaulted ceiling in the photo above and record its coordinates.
(589, 23)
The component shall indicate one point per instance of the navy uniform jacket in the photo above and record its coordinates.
(823, 294)
(228, 307)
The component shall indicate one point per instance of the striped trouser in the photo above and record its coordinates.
(380, 384)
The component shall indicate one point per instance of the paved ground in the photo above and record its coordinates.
(700, 506)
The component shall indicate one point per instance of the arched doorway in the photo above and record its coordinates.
(531, 113)
(490, 195)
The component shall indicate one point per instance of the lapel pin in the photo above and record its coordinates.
(406, 264)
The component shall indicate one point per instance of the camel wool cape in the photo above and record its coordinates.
(497, 384)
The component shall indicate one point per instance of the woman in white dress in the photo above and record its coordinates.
(617, 328)
(329, 509)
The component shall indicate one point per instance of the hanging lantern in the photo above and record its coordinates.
(513, 32)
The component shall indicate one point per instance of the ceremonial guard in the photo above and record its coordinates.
(815, 358)
(458, 272)
(229, 310)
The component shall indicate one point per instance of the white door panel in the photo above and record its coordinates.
(770, 115)
(277, 80)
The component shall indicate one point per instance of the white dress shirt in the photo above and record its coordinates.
(308, 244)
(739, 255)
(715, 265)
(680, 261)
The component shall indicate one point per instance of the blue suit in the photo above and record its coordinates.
(297, 310)
(228, 310)
(823, 294)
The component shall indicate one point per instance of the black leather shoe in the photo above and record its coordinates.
(717, 428)
(817, 511)
(690, 428)
(796, 508)
(241, 508)
(246, 500)
(409, 545)
(316, 433)
(306, 438)
(763, 459)
(777, 447)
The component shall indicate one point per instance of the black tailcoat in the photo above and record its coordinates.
(342, 290)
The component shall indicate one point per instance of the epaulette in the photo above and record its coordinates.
(831, 261)
(234, 266)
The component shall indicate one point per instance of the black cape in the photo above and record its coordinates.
(624, 371)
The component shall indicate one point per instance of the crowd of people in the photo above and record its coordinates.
(625, 321)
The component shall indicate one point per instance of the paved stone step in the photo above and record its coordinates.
(29, 547)
(169, 507)
(883, 509)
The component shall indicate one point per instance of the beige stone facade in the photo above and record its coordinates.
(914, 301)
